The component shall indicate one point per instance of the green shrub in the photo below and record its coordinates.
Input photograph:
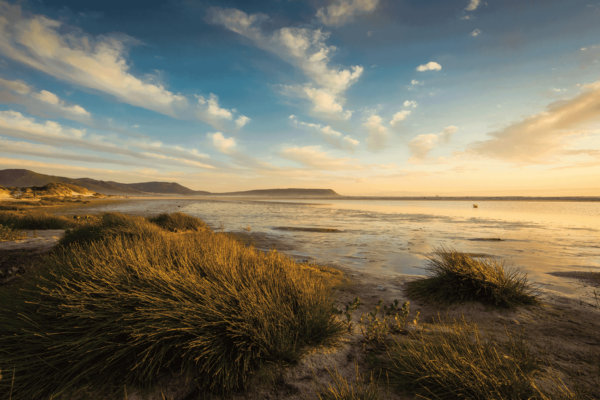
(178, 222)
(109, 225)
(458, 277)
(119, 313)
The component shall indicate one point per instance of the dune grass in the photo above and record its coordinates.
(458, 277)
(176, 222)
(458, 361)
(341, 388)
(39, 220)
(110, 225)
(104, 316)
(8, 233)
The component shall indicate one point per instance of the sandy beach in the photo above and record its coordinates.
(564, 328)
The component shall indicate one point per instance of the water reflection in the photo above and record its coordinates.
(389, 237)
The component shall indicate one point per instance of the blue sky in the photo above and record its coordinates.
(374, 97)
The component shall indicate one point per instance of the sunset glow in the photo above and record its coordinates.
(365, 97)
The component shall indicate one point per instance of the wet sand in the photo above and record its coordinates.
(565, 326)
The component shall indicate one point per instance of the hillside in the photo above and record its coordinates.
(26, 178)
(164, 188)
(54, 189)
(22, 178)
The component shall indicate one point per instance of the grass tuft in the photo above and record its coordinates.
(110, 225)
(37, 220)
(458, 277)
(8, 233)
(341, 389)
(456, 361)
(177, 222)
(119, 313)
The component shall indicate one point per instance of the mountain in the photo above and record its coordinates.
(25, 178)
(163, 187)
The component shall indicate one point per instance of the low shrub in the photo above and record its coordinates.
(107, 315)
(342, 389)
(109, 225)
(37, 220)
(178, 222)
(8, 233)
(458, 277)
(457, 361)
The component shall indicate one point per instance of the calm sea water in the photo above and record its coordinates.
(390, 237)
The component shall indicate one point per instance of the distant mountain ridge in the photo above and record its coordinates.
(27, 178)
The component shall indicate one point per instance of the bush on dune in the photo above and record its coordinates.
(458, 277)
(176, 222)
(37, 220)
(117, 313)
(459, 361)
(110, 225)
(8, 233)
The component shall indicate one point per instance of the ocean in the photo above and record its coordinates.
(388, 237)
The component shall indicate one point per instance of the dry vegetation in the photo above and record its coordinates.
(124, 301)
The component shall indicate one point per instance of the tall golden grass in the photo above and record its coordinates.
(120, 310)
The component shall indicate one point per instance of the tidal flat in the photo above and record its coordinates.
(564, 358)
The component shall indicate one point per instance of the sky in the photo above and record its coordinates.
(365, 97)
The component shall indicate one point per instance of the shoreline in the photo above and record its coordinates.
(159, 196)
(567, 323)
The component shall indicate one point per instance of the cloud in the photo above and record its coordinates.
(302, 47)
(241, 121)
(341, 12)
(210, 111)
(212, 107)
(51, 133)
(40, 102)
(430, 66)
(416, 82)
(224, 145)
(467, 17)
(475, 33)
(399, 116)
(473, 4)
(313, 157)
(331, 136)
(95, 62)
(378, 134)
(421, 145)
(538, 138)
(410, 103)
(40, 150)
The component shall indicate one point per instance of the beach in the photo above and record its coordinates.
(565, 325)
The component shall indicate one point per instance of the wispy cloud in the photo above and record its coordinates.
(399, 117)
(473, 4)
(475, 33)
(410, 103)
(334, 138)
(41, 102)
(430, 66)
(536, 139)
(224, 145)
(378, 134)
(314, 157)
(302, 47)
(341, 12)
(95, 62)
(422, 145)
(51, 133)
